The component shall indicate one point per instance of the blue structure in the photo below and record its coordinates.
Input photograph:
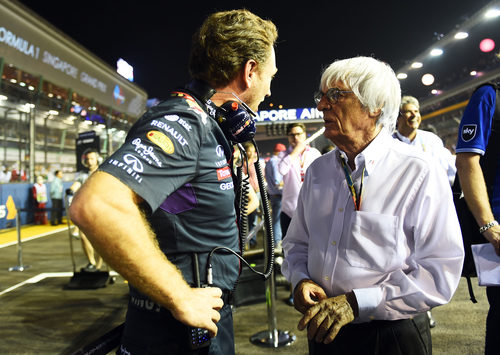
(22, 195)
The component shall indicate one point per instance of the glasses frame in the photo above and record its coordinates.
(332, 95)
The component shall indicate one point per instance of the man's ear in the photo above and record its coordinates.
(249, 72)
(375, 114)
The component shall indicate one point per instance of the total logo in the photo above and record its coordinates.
(118, 95)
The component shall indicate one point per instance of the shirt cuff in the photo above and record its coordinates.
(368, 300)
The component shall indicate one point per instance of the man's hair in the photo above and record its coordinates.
(372, 81)
(293, 125)
(409, 100)
(226, 41)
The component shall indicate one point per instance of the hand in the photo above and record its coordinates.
(324, 319)
(199, 308)
(493, 236)
(307, 293)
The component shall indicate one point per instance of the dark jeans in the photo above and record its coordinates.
(150, 332)
(56, 214)
(492, 345)
(398, 337)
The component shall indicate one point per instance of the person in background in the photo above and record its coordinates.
(160, 204)
(91, 162)
(39, 191)
(293, 166)
(408, 122)
(407, 131)
(274, 188)
(375, 241)
(56, 196)
(476, 140)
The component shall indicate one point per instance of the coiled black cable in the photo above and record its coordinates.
(243, 219)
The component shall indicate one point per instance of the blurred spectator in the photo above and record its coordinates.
(409, 120)
(274, 188)
(40, 200)
(56, 195)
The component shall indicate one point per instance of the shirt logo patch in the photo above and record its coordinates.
(162, 141)
(223, 173)
(133, 162)
(468, 132)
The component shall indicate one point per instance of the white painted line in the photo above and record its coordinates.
(42, 276)
(33, 237)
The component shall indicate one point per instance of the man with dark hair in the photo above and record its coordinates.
(164, 201)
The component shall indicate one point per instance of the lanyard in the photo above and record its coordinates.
(356, 197)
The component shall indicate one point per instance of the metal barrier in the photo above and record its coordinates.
(273, 337)
(20, 266)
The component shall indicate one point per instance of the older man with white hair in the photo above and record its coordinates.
(375, 241)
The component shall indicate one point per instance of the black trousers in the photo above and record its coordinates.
(398, 337)
(157, 332)
(492, 345)
(56, 214)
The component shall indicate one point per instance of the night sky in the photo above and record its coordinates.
(155, 38)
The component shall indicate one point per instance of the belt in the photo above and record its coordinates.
(142, 303)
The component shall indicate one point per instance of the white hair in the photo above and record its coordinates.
(372, 81)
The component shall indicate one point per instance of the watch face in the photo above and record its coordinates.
(468, 132)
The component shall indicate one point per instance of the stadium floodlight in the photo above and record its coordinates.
(461, 35)
(492, 13)
(402, 76)
(427, 79)
(436, 52)
(416, 65)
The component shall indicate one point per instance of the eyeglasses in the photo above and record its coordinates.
(332, 95)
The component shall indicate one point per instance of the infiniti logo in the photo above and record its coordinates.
(134, 162)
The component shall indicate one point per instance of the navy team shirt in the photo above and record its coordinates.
(176, 158)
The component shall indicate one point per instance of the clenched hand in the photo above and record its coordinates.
(199, 308)
(324, 319)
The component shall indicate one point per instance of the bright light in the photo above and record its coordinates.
(402, 76)
(416, 65)
(125, 69)
(461, 35)
(13, 81)
(3, 97)
(487, 45)
(53, 112)
(427, 79)
(473, 73)
(492, 13)
(31, 88)
(436, 52)
(22, 84)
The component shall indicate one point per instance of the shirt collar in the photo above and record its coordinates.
(373, 153)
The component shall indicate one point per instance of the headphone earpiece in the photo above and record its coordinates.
(236, 122)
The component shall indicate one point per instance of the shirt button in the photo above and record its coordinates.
(327, 278)
(334, 243)
(341, 209)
